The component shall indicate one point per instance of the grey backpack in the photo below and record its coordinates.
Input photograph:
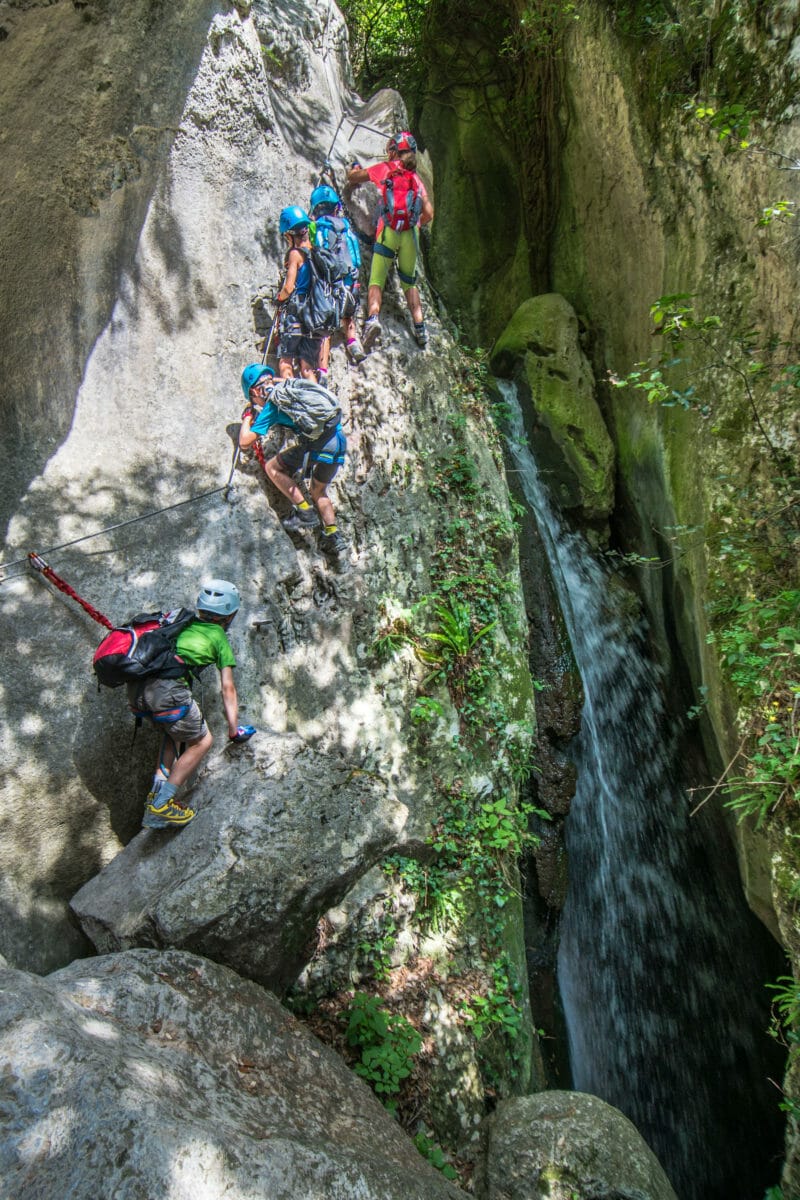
(311, 408)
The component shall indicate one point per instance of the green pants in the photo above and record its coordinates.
(391, 245)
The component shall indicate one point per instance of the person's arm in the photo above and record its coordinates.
(230, 700)
(426, 216)
(246, 435)
(264, 417)
(292, 266)
(357, 174)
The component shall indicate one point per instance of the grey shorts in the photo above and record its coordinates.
(161, 701)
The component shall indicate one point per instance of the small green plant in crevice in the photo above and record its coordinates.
(696, 710)
(387, 1043)
(454, 640)
(425, 711)
(759, 641)
(779, 210)
(376, 952)
(785, 1028)
(727, 121)
(391, 637)
(434, 1153)
(440, 893)
(497, 1011)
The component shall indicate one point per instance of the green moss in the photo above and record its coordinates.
(540, 347)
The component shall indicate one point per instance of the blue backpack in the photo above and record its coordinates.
(336, 235)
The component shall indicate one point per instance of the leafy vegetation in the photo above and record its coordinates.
(760, 646)
(496, 1011)
(785, 1028)
(732, 379)
(431, 1150)
(388, 1043)
(385, 42)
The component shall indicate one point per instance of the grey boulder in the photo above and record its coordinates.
(569, 1146)
(288, 832)
(157, 1073)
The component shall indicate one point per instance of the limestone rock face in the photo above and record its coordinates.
(155, 1074)
(569, 1146)
(540, 347)
(146, 418)
(286, 832)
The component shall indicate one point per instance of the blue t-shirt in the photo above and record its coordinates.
(269, 416)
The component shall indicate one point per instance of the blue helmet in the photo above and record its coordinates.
(293, 218)
(322, 195)
(251, 376)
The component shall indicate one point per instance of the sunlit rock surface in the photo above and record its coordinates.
(162, 1074)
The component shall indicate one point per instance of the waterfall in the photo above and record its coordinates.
(661, 965)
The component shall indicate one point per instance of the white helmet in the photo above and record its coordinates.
(220, 597)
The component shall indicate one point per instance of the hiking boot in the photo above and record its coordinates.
(372, 333)
(421, 335)
(301, 518)
(333, 544)
(356, 352)
(160, 814)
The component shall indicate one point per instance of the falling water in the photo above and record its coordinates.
(661, 965)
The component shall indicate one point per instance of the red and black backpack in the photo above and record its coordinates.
(142, 648)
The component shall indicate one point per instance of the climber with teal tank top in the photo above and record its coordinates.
(313, 457)
(332, 229)
(294, 344)
(404, 206)
(167, 702)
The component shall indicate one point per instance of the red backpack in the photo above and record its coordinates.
(401, 199)
(143, 648)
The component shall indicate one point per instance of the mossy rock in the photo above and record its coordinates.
(540, 349)
(480, 276)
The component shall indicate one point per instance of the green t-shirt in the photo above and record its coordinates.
(204, 642)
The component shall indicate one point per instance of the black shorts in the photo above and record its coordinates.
(325, 456)
(297, 346)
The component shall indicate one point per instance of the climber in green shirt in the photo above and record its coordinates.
(169, 704)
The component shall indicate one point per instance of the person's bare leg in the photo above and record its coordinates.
(190, 760)
(414, 305)
(327, 513)
(283, 482)
(374, 299)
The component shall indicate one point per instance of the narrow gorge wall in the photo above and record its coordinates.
(689, 206)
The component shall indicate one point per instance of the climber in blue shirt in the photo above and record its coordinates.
(318, 459)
